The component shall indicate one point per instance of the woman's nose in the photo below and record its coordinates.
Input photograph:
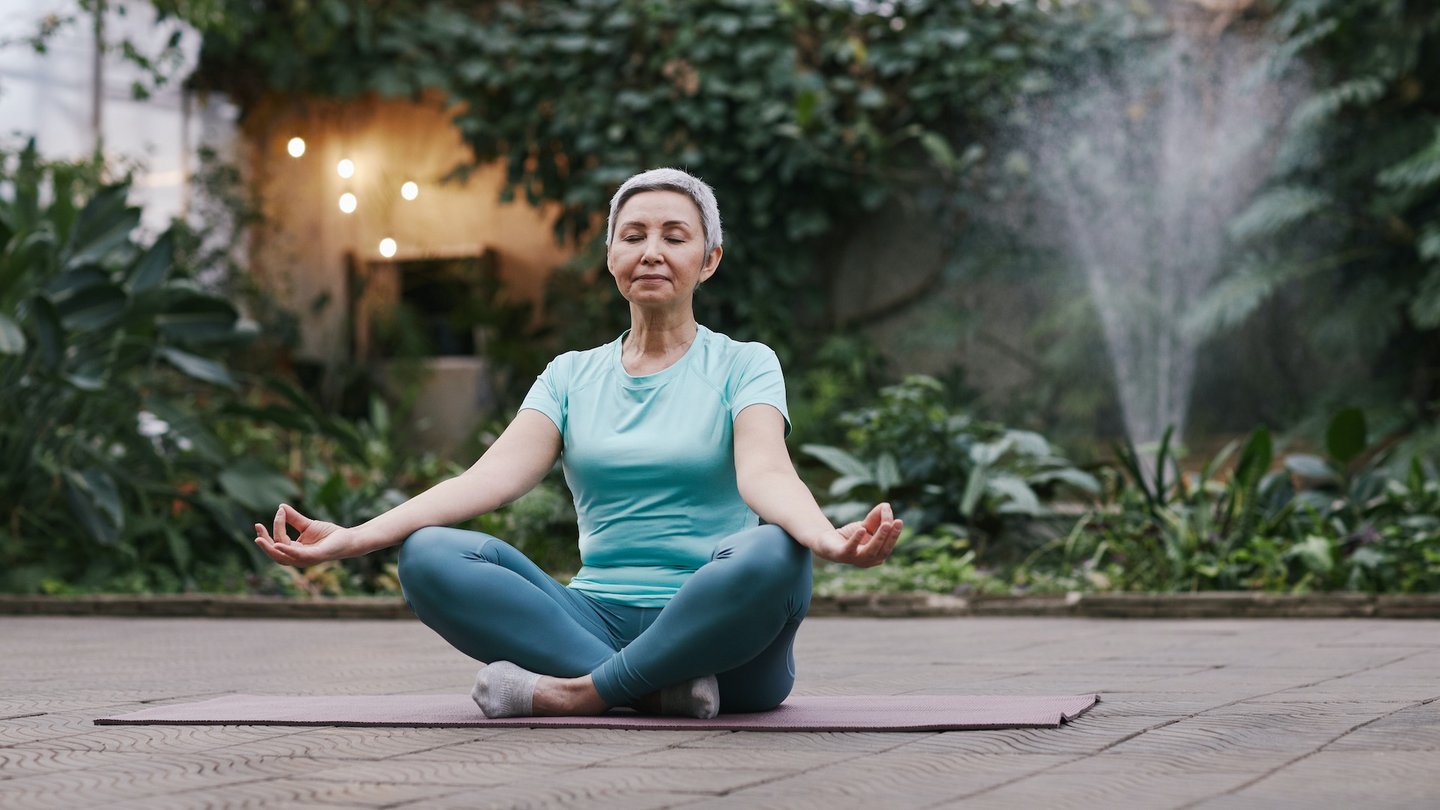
(652, 251)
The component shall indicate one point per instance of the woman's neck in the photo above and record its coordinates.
(653, 344)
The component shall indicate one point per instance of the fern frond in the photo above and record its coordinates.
(1294, 46)
(1416, 172)
(1237, 297)
(1276, 210)
(1428, 245)
(1425, 306)
(1327, 103)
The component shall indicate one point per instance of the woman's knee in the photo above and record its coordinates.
(431, 554)
(767, 556)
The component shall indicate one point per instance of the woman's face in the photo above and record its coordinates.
(657, 254)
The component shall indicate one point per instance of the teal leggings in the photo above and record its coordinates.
(734, 618)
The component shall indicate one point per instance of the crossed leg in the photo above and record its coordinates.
(735, 618)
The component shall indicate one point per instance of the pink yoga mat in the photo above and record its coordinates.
(854, 713)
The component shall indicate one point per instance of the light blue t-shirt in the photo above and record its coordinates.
(651, 459)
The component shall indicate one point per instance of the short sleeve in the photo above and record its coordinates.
(547, 395)
(758, 380)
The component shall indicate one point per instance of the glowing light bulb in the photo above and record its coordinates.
(347, 202)
(410, 190)
(387, 247)
(345, 168)
(296, 147)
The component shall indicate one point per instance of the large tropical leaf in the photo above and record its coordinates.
(92, 308)
(256, 486)
(12, 339)
(198, 367)
(838, 460)
(154, 265)
(1345, 437)
(102, 226)
(95, 501)
(193, 318)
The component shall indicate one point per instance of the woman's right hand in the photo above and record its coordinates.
(319, 541)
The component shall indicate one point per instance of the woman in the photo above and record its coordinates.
(673, 442)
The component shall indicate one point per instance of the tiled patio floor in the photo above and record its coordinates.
(1200, 713)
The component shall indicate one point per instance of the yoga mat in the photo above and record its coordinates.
(799, 713)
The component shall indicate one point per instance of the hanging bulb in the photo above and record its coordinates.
(347, 203)
(387, 247)
(345, 168)
(410, 190)
(296, 147)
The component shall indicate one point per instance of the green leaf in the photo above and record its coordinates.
(1254, 459)
(1016, 496)
(102, 226)
(1425, 305)
(95, 502)
(1079, 479)
(974, 489)
(92, 308)
(198, 367)
(256, 486)
(154, 266)
(1314, 553)
(1345, 438)
(838, 460)
(1355, 92)
(179, 549)
(12, 339)
(887, 472)
(1278, 209)
(1311, 467)
(49, 334)
(199, 319)
(1418, 172)
(842, 486)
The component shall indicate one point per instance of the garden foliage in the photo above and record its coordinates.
(805, 116)
(132, 456)
(107, 373)
(1350, 220)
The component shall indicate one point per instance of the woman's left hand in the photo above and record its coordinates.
(864, 543)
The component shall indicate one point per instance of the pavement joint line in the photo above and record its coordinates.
(1282, 766)
(1191, 716)
(858, 755)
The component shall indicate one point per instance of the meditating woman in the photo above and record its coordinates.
(672, 439)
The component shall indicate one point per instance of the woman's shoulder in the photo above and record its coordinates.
(582, 362)
(724, 353)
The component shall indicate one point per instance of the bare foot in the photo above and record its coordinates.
(567, 697)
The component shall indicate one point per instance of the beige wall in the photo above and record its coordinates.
(300, 251)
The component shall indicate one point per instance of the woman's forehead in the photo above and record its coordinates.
(659, 206)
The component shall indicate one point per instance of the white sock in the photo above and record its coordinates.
(503, 689)
(698, 698)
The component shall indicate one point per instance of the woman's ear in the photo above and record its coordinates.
(712, 262)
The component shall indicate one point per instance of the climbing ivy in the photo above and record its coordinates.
(804, 115)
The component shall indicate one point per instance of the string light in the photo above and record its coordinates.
(296, 147)
(387, 247)
(347, 203)
(410, 190)
(346, 168)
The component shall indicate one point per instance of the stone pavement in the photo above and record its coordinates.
(1202, 713)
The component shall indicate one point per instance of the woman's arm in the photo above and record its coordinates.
(769, 485)
(513, 465)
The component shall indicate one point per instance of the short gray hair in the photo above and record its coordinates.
(671, 180)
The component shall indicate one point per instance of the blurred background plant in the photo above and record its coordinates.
(137, 444)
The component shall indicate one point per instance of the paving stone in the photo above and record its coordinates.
(1222, 713)
(1391, 779)
(1085, 791)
